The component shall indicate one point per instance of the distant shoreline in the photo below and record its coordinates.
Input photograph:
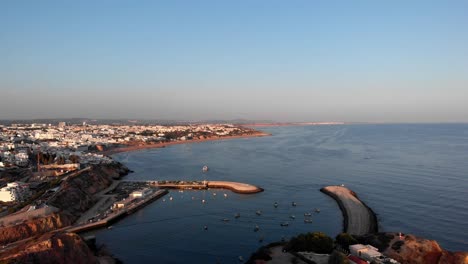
(170, 143)
(293, 124)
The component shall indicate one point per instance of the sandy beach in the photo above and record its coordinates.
(165, 144)
(358, 219)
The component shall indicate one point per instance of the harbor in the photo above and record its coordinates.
(125, 197)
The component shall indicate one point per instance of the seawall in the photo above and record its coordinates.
(358, 218)
(236, 187)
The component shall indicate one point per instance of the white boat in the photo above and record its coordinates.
(307, 214)
(225, 220)
(292, 217)
(258, 212)
(317, 210)
(205, 168)
(294, 203)
(275, 205)
(307, 221)
(256, 228)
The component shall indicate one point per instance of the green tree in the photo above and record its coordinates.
(74, 159)
(338, 258)
(345, 240)
(316, 242)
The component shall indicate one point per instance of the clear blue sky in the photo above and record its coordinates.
(390, 61)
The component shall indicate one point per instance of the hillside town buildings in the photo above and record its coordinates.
(40, 153)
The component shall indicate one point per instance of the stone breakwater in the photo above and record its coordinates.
(358, 218)
(236, 187)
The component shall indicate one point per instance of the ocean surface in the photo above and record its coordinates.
(415, 177)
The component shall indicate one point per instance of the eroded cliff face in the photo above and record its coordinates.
(76, 194)
(74, 197)
(34, 227)
(414, 250)
(51, 248)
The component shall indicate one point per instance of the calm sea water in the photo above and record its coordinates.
(415, 177)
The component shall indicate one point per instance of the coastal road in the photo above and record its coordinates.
(358, 218)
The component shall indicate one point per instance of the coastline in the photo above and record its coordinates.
(129, 148)
(358, 218)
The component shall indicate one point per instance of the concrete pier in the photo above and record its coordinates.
(358, 218)
(236, 187)
(118, 214)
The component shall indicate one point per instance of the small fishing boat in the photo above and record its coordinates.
(258, 212)
(284, 224)
(225, 220)
(294, 204)
(275, 205)
(292, 217)
(109, 227)
(205, 227)
(205, 168)
(307, 214)
(241, 259)
(225, 195)
(256, 228)
(237, 215)
(317, 210)
(307, 221)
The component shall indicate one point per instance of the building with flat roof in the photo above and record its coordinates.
(14, 191)
(141, 193)
(366, 252)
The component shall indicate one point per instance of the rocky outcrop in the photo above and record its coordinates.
(33, 227)
(413, 250)
(51, 248)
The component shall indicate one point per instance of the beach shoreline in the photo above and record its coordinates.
(129, 148)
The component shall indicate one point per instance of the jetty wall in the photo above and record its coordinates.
(358, 218)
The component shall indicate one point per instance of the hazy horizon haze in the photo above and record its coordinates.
(305, 61)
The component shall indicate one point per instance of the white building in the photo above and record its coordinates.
(14, 191)
(366, 252)
(21, 159)
(141, 193)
